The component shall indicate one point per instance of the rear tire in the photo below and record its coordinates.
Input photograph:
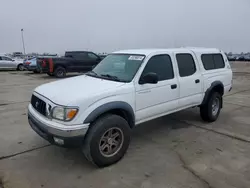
(107, 140)
(60, 72)
(211, 110)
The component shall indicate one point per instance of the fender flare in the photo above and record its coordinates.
(210, 90)
(120, 105)
(19, 64)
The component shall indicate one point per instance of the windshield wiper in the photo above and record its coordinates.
(91, 73)
(115, 78)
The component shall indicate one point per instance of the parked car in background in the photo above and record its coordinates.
(247, 57)
(7, 63)
(31, 65)
(73, 61)
(232, 57)
(240, 58)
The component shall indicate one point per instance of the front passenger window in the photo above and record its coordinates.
(161, 65)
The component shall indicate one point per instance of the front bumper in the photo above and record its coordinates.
(31, 68)
(69, 135)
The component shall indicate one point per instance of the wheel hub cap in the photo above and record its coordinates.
(215, 106)
(111, 142)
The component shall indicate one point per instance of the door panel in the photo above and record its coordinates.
(2, 64)
(78, 62)
(72, 65)
(190, 80)
(7, 63)
(154, 100)
(190, 91)
(83, 65)
(10, 64)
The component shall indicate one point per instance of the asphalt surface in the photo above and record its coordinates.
(175, 151)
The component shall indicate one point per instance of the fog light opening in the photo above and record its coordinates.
(59, 141)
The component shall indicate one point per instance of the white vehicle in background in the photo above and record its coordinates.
(98, 110)
(7, 63)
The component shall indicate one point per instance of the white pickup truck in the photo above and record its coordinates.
(98, 110)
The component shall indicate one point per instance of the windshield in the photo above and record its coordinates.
(118, 67)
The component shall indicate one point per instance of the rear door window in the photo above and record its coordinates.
(186, 64)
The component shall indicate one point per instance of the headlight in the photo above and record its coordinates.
(58, 113)
(64, 113)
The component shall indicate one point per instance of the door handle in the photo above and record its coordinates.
(174, 86)
(197, 81)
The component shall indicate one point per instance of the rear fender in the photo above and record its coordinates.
(211, 89)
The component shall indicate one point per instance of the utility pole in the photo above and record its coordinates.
(23, 41)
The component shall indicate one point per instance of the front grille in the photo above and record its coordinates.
(38, 104)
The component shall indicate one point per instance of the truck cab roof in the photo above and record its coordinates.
(147, 52)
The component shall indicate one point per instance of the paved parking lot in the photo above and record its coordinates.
(176, 151)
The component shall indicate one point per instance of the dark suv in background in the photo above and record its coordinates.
(73, 61)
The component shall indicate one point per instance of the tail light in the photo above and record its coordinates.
(27, 63)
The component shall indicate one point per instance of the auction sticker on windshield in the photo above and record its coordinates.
(136, 57)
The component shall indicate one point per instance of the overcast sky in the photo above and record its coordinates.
(108, 25)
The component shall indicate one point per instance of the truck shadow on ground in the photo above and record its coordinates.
(169, 122)
(142, 133)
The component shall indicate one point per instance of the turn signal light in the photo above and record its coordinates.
(70, 113)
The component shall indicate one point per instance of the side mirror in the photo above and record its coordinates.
(149, 78)
(13, 60)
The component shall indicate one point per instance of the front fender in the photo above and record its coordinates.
(108, 107)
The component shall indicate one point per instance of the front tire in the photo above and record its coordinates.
(211, 110)
(107, 140)
(20, 67)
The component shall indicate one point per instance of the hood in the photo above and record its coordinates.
(71, 89)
